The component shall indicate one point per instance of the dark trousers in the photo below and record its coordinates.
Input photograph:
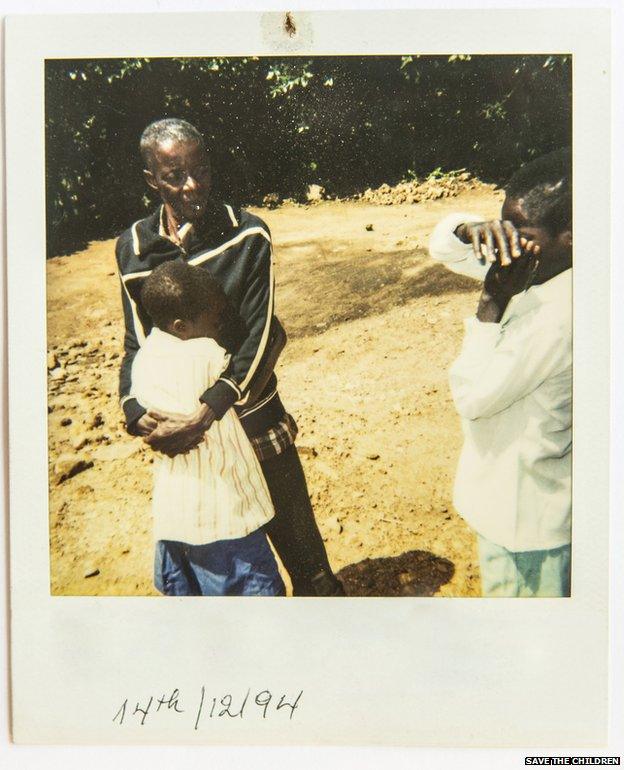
(293, 531)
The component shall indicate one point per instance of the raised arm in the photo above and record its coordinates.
(457, 255)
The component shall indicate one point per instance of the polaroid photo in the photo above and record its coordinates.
(305, 307)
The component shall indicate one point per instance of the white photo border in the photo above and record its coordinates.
(374, 671)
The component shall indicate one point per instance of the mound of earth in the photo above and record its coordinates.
(432, 188)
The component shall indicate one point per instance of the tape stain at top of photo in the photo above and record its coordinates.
(287, 31)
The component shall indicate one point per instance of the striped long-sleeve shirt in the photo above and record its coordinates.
(216, 491)
(235, 246)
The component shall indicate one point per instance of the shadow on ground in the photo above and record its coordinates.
(369, 284)
(413, 573)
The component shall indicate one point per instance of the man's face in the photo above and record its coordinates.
(180, 172)
(553, 250)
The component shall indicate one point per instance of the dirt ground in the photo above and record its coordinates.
(373, 325)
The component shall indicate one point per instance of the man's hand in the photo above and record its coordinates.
(177, 433)
(501, 283)
(145, 425)
(493, 241)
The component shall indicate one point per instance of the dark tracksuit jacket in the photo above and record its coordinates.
(235, 247)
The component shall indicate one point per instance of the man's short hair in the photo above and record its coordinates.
(178, 290)
(545, 186)
(164, 130)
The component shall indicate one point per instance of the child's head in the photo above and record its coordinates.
(539, 204)
(184, 300)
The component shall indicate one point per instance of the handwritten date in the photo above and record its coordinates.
(261, 705)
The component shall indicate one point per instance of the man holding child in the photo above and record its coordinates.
(234, 246)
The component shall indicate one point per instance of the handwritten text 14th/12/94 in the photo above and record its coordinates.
(262, 704)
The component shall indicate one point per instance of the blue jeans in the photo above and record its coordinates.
(241, 567)
(523, 573)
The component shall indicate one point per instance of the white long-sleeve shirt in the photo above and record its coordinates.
(444, 246)
(512, 386)
(216, 491)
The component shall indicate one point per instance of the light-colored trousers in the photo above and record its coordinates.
(523, 573)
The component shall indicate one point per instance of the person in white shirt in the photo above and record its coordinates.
(512, 382)
(209, 504)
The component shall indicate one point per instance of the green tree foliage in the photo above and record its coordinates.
(277, 125)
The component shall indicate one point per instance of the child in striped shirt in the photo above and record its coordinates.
(209, 504)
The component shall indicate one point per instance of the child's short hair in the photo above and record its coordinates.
(545, 185)
(178, 290)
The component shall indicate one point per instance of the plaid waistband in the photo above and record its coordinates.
(276, 439)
